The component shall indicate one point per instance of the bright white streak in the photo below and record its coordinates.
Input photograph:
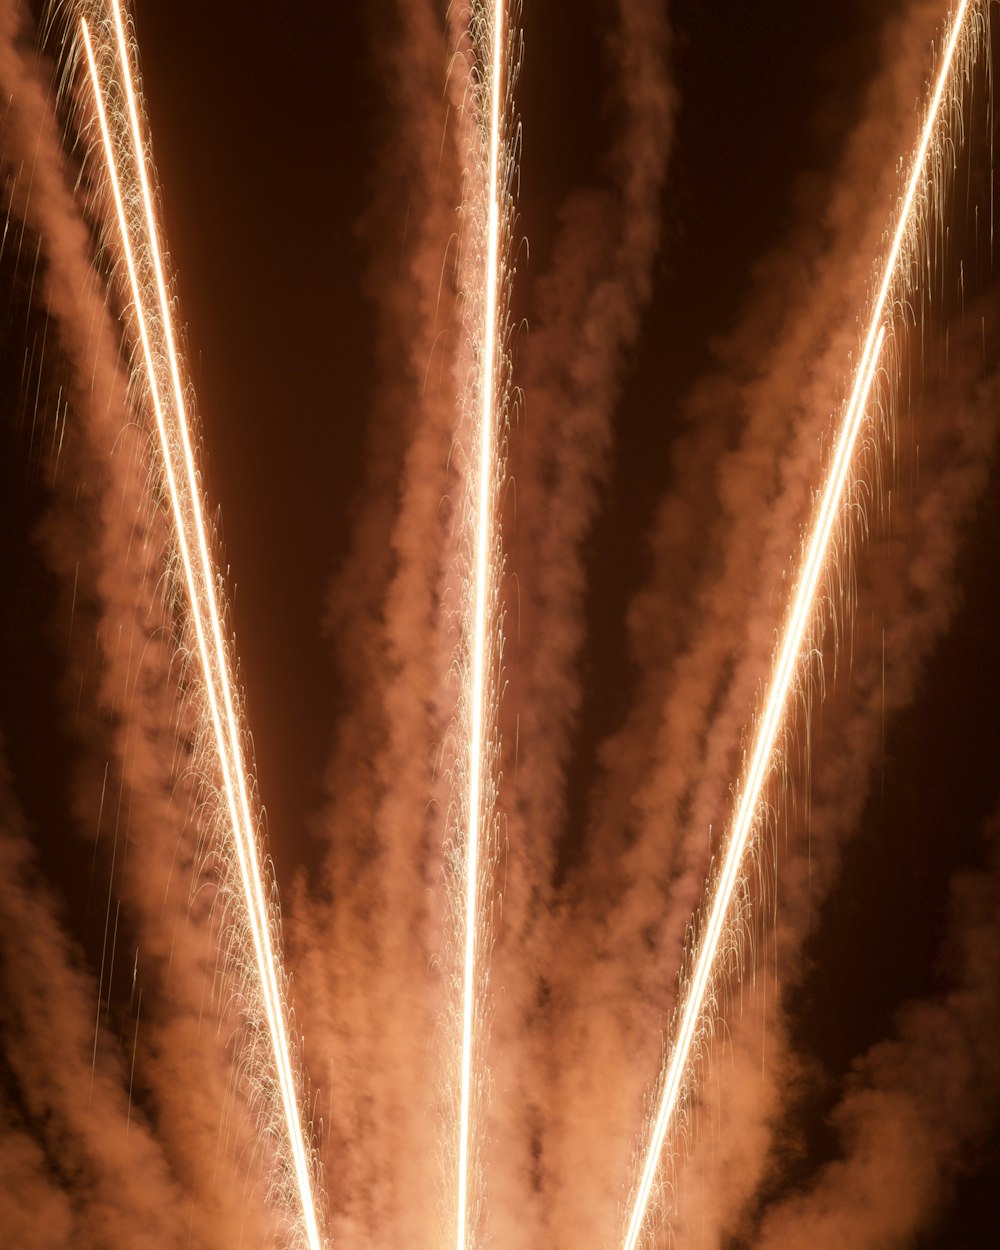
(484, 539)
(782, 682)
(229, 752)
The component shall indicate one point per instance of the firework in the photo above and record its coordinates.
(485, 401)
(795, 642)
(126, 165)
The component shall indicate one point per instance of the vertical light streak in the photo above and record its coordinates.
(483, 582)
(787, 661)
(200, 579)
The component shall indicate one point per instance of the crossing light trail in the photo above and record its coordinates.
(139, 235)
(793, 643)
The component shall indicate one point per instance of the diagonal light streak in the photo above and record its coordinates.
(788, 658)
(200, 579)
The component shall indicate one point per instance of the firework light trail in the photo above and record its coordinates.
(789, 656)
(488, 32)
(200, 576)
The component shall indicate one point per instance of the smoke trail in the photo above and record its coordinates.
(80, 1162)
(909, 581)
(643, 881)
(486, 38)
(35, 1214)
(380, 784)
(106, 530)
(253, 928)
(394, 646)
(777, 398)
(571, 367)
(916, 1102)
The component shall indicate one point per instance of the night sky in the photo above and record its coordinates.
(303, 235)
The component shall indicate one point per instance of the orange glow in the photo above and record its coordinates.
(787, 662)
(484, 576)
(200, 576)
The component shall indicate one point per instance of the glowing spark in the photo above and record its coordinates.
(200, 578)
(483, 582)
(783, 678)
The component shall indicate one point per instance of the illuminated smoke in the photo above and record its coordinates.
(481, 700)
(584, 320)
(373, 997)
(492, 52)
(125, 158)
(76, 1091)
(794, 649)
(133, 697)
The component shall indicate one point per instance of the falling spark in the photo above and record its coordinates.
(480, 694)
(788, 659)
(200, 577)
